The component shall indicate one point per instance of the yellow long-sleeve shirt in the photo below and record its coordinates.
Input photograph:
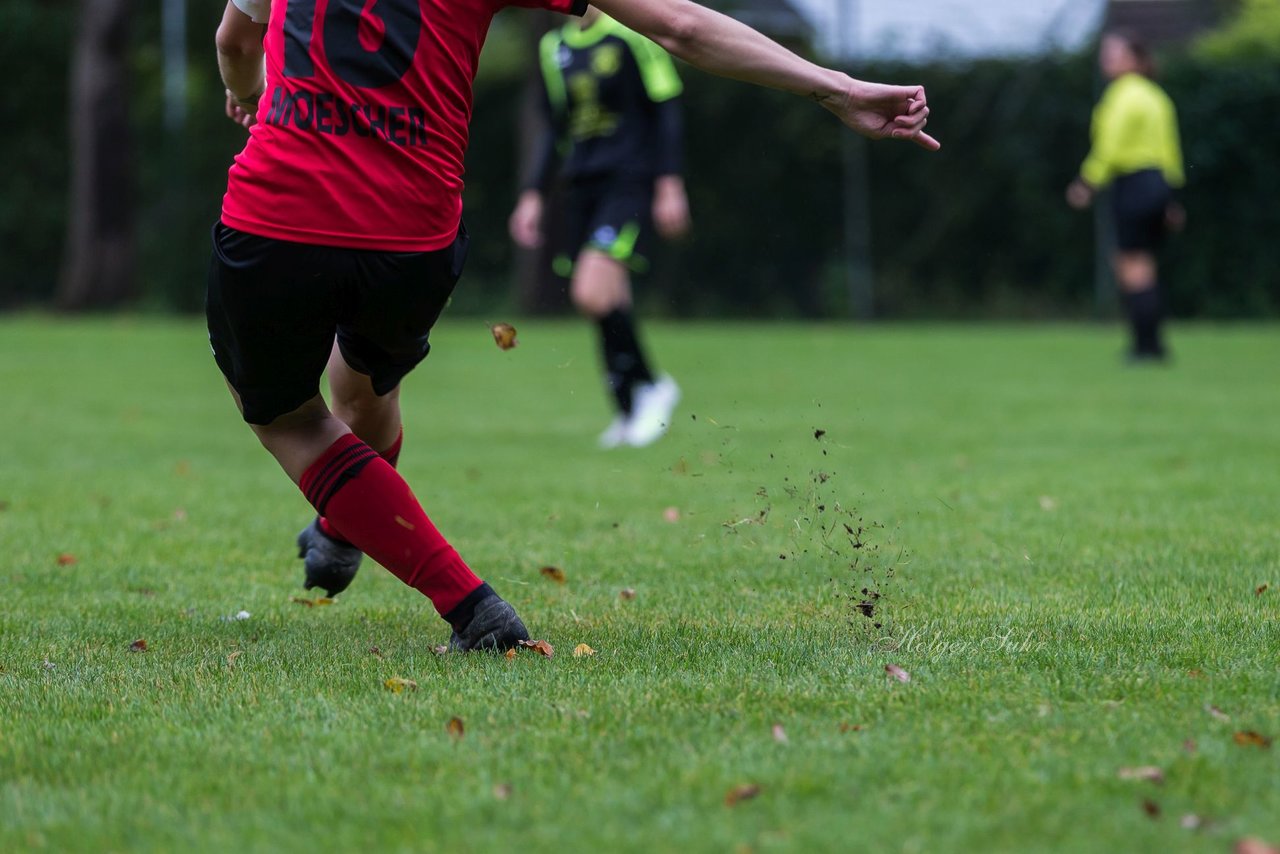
(1135, 127)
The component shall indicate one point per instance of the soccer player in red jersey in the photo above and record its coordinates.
(342, 220)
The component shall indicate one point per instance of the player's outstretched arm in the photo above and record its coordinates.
(720, 45)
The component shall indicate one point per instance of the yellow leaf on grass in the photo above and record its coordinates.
(738, 794)
(1249, 738)
(397, 684)
(455, 727)
(554, 573)
(1150, 773)
(510, 654)
(896, 672)
(582, 649)
(539, 646)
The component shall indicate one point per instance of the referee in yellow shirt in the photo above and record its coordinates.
(1136, 151)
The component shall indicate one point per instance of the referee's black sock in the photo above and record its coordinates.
(624, 361)
(1145, 312)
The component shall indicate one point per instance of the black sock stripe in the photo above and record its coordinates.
(331, 468)
(323, 486)
(334, 468)
(351, 470)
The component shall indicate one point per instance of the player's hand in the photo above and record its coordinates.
(880, 111)
(1079, 194)
(238, 113)
(670, 207)
(525, 223)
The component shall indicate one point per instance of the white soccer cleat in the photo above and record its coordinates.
(615, 434)
(652, 407)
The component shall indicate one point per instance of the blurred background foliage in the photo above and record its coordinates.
(979, 229)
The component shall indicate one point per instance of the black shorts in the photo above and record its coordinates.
(275, 307)
(1139, 202)
(610, 214)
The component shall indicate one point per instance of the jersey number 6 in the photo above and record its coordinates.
(348, 25)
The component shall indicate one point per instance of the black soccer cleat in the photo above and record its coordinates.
(494, 626)
(329, 563)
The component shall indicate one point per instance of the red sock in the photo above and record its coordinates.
(392, 456)
(365, 498)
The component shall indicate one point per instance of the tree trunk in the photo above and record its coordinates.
(100, 256)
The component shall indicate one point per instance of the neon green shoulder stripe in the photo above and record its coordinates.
(552, 76)
(661, 80)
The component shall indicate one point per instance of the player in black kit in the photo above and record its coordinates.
(612, 102)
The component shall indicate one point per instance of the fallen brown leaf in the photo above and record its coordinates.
(582, 650)
(504, 335)
(1254, 845)
(1150, 773)
(455, 727)
(510, 654)
(67, 559)
(896, 672)
(554, 573)
(231, 659)
(779, 734)
(627, 594)
(539, 646)
(299, 600)
(397, 684)
(373, 650)
(1249, 738)
(738, 794)
(502, 791)
(850, 727)
(140, 645)
(1216, 713)
(1262, 588)
(1196, 673)
(1151, 808)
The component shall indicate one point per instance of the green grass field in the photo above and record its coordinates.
(1067, 550)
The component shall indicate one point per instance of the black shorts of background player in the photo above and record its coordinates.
(612, 108)
(1137, 152)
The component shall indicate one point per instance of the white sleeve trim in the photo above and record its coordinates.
(258, 10)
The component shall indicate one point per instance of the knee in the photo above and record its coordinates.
(354, 405)
(586, 299)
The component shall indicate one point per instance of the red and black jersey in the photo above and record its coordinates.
(362, 128)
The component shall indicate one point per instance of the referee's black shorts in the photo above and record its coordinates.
(1139, 201)
(275, 307)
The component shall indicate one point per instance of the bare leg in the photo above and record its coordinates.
(600, 284)
(1138, 278)
(1135, 271)
(298, 438)
(374, 418)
